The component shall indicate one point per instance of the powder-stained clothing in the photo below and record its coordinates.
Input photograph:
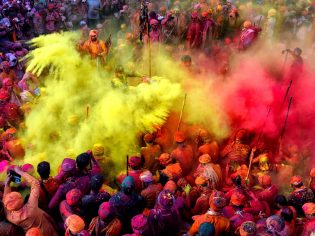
(39, 24)
(15, 148)
(211, 172)
(8, 229)
(185, 156)
(61, 192)
(66, 210)
(150, 153)
(164, 222)
(309, 228)
(98, 227)
(299, 197)
(206, 32)
(92, 202)
(312, 185)
(10, 75)
(11, 112)
(236, 152)
(135, 174)
(202, 204)
(94, 48)
(236, 216)
(150, 194)
(83, 178)
(48, 188)
(289, 229)
(210, 148)
(30, 215)
(239, 190)
(194, 35)
(248, 36)
(51, 21)
(155, 36)
(173, 171)
(220, 223)
(257, 207)
(268, 194)
(126, 206)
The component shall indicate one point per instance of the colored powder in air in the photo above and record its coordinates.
(59, 126)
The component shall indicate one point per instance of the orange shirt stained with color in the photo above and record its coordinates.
(220, 223)
(96, 48)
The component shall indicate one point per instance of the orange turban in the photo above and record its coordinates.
(312, 173)
(264, 180)
(237, 199)
(34, 232)
(204, 134)
(309, 208)
(247, 24)
(296, 180)
(171, 186)
(204, 14)
(179, 137)
(75, 224)
(205, 158)
(11, 131)
(13, 201)
(200, 180)
(165, 158)
(98, 149)
(73, 197)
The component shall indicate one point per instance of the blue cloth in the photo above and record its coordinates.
(206, 229)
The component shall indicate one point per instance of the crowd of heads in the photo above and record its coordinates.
(181, 182)
(193, 189)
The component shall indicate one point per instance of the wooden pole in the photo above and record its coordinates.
(181, 112)
(127, 160)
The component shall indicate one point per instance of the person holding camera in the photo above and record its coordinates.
(26, 215)
(297, 63)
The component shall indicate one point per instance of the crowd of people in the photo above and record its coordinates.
(194, 189)
(180, 184)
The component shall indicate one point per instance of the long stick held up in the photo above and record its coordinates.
(286, 94)
(284, 62)
(257, 142)
(286, 119)
(87, 112)
(127, 160)
(263, 127)
(181, 112)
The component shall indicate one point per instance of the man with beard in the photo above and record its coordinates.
(94, 46)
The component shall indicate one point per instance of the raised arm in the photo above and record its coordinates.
(7, 188)
(35, 186)
(57, 198)
(96, 168)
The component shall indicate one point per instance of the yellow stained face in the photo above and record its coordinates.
(264, 166)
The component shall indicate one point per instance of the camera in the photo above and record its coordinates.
(15, 177)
